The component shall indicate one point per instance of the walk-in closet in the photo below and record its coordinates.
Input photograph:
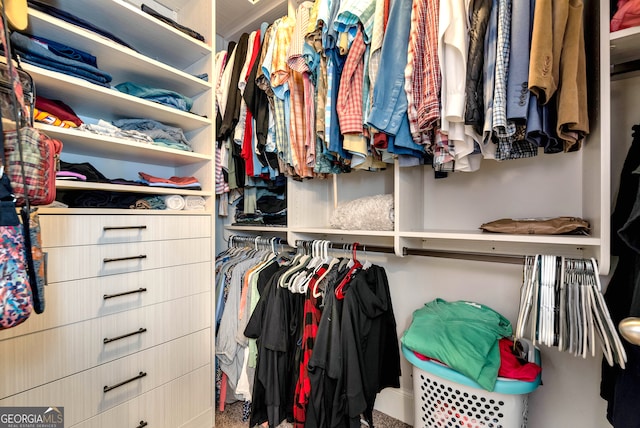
(286, 213)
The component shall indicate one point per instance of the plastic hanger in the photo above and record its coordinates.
(300, 282)
(314, 266)
(367, 264)
(535, 299)
(611, 332)
(562, 328)
(297, 264)
(355, 265)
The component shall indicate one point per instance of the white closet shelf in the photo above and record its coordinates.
(118, 211)
(81, 96)
(83, 185)
(624, 45)
(468, 235)
(123, 64)
(271, 229)
(329, 231)
(120, 149)
(140, 30)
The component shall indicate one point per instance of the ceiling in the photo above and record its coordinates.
(234, 17)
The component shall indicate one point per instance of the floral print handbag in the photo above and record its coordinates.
(16, 302)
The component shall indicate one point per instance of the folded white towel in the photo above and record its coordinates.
(194, 203)
(174, 202)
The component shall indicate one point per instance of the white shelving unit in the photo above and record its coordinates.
(169, 62)
(624, 45)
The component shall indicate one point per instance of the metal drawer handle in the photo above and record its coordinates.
(109, 388)
(119, 259)
(111, 296)
(106, 228)
(113, 339)
(142, 424)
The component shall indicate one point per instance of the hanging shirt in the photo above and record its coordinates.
(280, 55)
(452, 54)
(474, 111)
(487, 147)
(422, 73)
(222, 92)
(355, 12)
(349, 102)
(389, 109)
(377, 35)
(303, 138)
(573, 118)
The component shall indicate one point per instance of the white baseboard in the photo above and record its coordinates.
(396, 403)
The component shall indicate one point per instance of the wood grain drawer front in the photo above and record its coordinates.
(71, 230)
(85, 395)
(34, 359)
(169, 406)
(112, 294)
(70, 263)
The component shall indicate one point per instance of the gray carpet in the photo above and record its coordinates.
(232, 418)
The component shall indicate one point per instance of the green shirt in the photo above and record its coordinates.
(463, 335)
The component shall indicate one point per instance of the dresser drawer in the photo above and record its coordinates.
(91, 392)
(170, 406)
(107, 295)
(70, 230)
(70, 263)
(34, 359)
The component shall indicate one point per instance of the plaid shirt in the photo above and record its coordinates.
(349, 104)
(375, 46)
(501, 126)
(422, 73)
(296, 52)
(279, 66)
(429, 107)
(354, 12)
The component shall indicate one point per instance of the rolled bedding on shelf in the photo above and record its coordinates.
(174, 202)
(367, 213)
(194, 203)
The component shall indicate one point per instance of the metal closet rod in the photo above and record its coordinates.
(458, 255)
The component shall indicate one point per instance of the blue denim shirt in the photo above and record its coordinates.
(389, 110)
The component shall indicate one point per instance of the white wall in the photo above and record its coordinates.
(221, 43)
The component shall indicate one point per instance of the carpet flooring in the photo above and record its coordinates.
(232, 418)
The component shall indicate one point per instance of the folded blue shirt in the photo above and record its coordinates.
(35, 53)
(162, 96)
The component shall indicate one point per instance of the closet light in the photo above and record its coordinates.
(253, 1)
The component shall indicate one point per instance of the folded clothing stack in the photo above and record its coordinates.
(55, 56)
(174, 182)
(196, 203)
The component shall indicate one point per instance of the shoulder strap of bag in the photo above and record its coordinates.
(19, 108)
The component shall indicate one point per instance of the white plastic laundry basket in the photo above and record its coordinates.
(445, 398)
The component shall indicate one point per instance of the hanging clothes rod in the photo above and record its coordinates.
(459, 255)
(456, 255)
